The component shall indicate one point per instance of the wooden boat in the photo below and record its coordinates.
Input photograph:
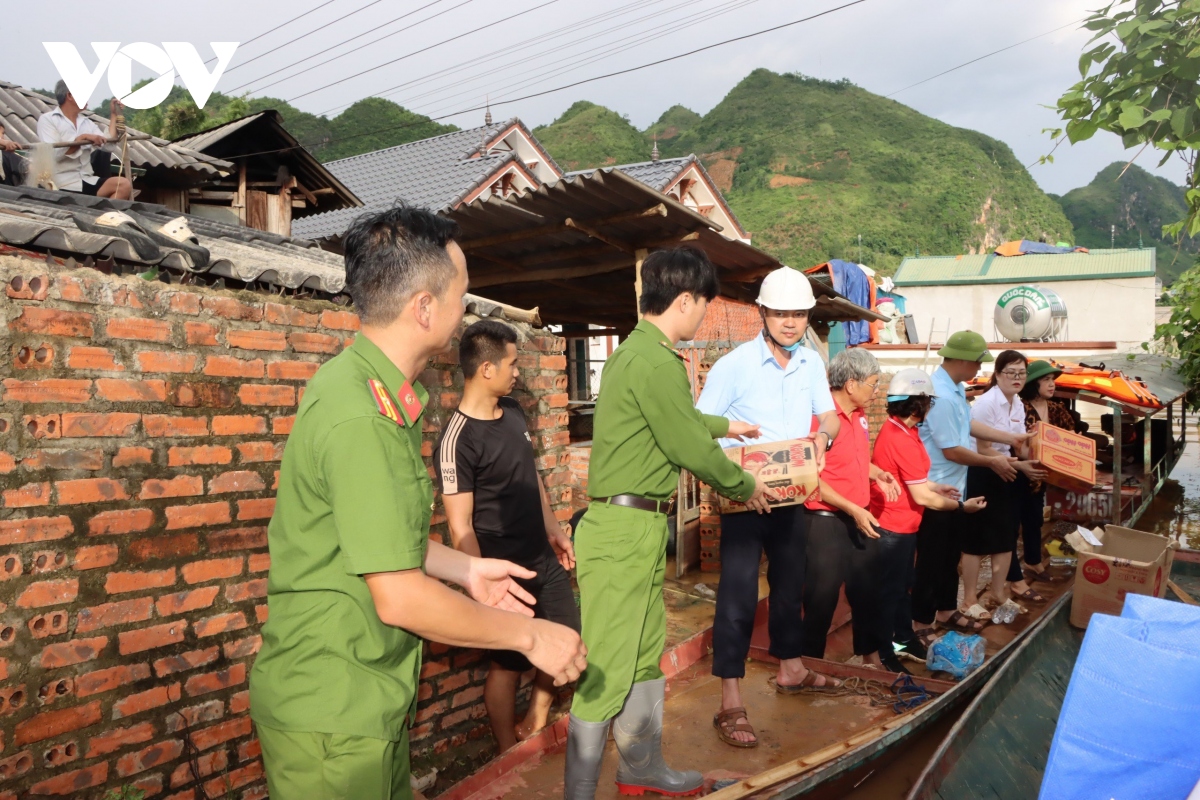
(999, 746)
(811, 745)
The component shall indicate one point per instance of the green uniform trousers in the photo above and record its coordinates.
(332, 766)
(621, 558)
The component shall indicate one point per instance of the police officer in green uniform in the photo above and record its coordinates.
(353, 586)
(646, 429)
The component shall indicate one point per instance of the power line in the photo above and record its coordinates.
(280, 25)
(430, 47)
(304, 36)
(347, 41)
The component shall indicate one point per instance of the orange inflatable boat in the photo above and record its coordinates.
(1105, 382)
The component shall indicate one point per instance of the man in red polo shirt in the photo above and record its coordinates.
(842, 535)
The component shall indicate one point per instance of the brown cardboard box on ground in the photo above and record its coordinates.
(789, 467)
(1068, 458)
(1125, 562)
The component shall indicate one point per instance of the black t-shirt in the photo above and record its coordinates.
(494, 460)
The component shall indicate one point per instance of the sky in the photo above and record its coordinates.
(529, 46)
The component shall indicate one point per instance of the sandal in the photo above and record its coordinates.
(1032, 576)
(724, 722)
(977, 611)
(808, 684)
(926, 636)
(965, 623)
(1031, 595)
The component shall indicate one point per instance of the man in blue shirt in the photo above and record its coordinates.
(780, 386)
(947, 434)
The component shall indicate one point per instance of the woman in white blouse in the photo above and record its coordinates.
(993, 531)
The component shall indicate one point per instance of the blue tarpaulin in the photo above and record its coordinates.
(851, 282)
(1128, 721)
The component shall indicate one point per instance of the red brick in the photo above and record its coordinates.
(229, 308)
(166, 547)
(282, 426)
(64, 654)
(144, 701)
(54, 323)
(223, 732)
(49, 724)
(129, 391)
(256, 509)
(256, 340)
(86, 425)
(292, 370)
(222, 623)
(188, 456)
(215, 681)
(49, 593)
(132, 456)
(119, 613)
(52, 624)
(253, 394)
(131, 642)
(261, 613)
(105, 680)
(259, 562)
(43, 426)
(117, 738)
(240, 592)
(212, 569)
(158, 425)
(238, 539)
(239, 702)
(7, 463)
(32, 287)
(197, 395)
(27, 496)
(314, 343)
(182, 302)
(95, 556)
(197, 515)
(243, 648)
(340, 320)
(159, 361)
(254, 452)
(93, 358)
(127, 521)
(118, 582)
(72, 783)
(179, 486)
(200, 333)
(182, 602)
(230, 367)
(185, 661)
(64, 459)
(221, 786)
(139, 328)
(193, 716)
(149, 757)
(90, 490)
(209, 763)
(236, 481)
(238, 425)
(37, 529)
(50, 390)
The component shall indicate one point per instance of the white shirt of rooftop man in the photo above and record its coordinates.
(72, 165)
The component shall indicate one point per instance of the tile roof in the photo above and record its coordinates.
(21, 108)
(42, 221)
(436, 173)
(991, 268)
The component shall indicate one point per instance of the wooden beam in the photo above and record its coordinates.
(560, 274)
(591, 231)
(687, 237)
(659, 210)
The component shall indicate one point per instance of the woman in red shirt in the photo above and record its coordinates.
(898, 450)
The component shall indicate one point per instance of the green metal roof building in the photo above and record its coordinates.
(991, 268)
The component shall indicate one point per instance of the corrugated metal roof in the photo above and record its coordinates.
(40, 220)
(21, 108)
(991, 268)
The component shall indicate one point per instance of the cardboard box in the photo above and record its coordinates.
(1068, 458)
(1125, 562)
(790, 468)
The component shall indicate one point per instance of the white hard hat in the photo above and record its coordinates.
(909, 383)
(786, 289)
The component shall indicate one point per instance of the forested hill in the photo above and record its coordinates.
(1138, 204)
(810, 165)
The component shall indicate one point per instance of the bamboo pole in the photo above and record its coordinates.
(1181, 594)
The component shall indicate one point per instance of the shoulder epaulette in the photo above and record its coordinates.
(678, 353)
(383, 401)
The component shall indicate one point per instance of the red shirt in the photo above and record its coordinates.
(898, 450)
(848, 462)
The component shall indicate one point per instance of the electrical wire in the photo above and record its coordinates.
(426, 49)
(280, 25)
(304, 36)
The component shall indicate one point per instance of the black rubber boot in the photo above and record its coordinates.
(637, 730)
(585, 753)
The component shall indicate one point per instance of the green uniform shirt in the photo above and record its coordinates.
(647, 427)
(354, 498)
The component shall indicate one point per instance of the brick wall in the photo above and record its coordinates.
(141, 429)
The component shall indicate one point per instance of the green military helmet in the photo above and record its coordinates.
(966, 346)
(1039, 369)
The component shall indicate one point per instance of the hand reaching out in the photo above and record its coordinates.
(490, 581)
(743, 431)
(889, 485)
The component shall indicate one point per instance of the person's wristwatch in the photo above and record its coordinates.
(828, 441)
(961, 505)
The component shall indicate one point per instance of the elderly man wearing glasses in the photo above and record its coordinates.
(842, 533)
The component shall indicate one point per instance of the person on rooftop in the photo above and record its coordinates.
(12, 166)
(73, 166)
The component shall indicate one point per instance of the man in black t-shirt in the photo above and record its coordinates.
(497, 507)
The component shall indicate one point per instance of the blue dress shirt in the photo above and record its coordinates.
(747, 384)
(947, 425)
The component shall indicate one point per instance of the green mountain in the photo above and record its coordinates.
(1138, 204)
(810, 165)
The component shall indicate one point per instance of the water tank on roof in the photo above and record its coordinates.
(1031, 314)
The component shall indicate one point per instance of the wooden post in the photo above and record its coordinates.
(640, 255)
(1116, 490)
(239, 200)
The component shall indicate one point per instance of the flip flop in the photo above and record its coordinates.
(808, 684)
(723, 721)
(1032, 596)
(964, 623)
(926, 636)
(977, 612)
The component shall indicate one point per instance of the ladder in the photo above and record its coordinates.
(934, 331)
